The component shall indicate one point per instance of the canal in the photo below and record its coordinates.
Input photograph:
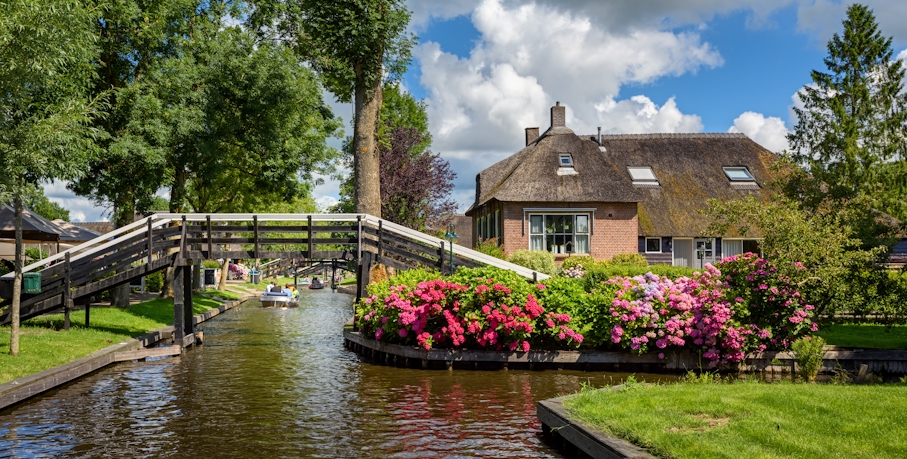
(279, 383)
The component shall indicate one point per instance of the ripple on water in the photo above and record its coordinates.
(278, 383)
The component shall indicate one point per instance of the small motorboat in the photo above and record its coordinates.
(316, 284)
(278, 300)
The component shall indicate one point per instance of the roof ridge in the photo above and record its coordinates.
(673, 135)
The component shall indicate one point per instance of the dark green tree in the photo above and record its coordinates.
(850, 134)
(46, 50)
(354, 45)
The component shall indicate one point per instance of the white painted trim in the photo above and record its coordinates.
(559, 209)
(673, 244)
(660, 242)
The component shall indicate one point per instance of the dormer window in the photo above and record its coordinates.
(738, 174)
(566, 160)
(643, 177)
(565, 163)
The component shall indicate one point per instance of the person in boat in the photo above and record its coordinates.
(316, 283)
(272, 287)
(286, 291)
(293, 292)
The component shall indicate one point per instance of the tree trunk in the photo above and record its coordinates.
(17, 280)
(366, 161)
(119, 296)
(177, 194)
(222, 282)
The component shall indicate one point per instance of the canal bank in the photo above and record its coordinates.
(141, 347)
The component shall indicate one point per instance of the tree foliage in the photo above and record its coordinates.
(850, 133)
(46, 47)
(820, 250)
(354, 45)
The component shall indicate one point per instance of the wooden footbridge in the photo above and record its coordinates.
(300, 241)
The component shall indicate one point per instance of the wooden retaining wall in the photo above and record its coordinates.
(878, 361)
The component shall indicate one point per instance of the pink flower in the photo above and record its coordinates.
(525, 346)
(661, 355)
(540, 286)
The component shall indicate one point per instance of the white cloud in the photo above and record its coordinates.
(325, 202)
(640, 115)
(769, 132)
(902, 56)
(823, 18)
(530, 56)
(80, 209)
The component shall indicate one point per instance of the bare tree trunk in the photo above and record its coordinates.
(366, 160)
(167, 288)
(222, 282)
(17, 280)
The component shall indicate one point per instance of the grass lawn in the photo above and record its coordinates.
(865, 335)
(225, 294)
(751, 419)
(281, 281)
(44, 345)
(348, 281)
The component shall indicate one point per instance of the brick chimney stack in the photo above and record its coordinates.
(531, 134)
(558, 116)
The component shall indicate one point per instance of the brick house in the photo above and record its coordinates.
(605, 195)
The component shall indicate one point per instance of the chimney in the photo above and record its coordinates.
(558, 116)
(599, 136)
(531, 135)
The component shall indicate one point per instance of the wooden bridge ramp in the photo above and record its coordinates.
(180, 241)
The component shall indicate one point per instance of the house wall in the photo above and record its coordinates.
(666, 256)
(615, 227)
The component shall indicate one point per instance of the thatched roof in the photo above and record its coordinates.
(689, 168)
(74, 232)
(533, 174)
(35, 228)
(100, 227)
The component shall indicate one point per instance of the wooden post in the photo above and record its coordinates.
(188, 328)
(255, 237)
(441, 258)
(183, 236)
(309, 255)
(179, 284)
(359, 237)
(333, 274)
(67, 283)
(87, 312)
(363, 276)
(150, 240)
(380, 229)
(210, 246)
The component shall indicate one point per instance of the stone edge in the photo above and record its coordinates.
(26, 387)
(586, 438)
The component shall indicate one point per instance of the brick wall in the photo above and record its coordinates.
(615, 227)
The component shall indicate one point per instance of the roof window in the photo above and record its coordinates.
(643, 176)
(738, 174)
(565, 160)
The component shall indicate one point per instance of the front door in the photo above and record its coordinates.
(704, 252)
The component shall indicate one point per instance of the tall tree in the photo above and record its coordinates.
(33, 199)
(850, 134)
(415, 183)
(46, 47)
(355, 45)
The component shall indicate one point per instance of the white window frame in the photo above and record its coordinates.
(574, 234)
(725, 239)
(643, 181)
(744, 169)
(659, 244)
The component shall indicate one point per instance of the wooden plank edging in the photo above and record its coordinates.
(26, 387)
(587, 438)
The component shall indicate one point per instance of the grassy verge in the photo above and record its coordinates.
(752, 419)
(348, 281)
(225, 294)
(865, 335)
(264, 283)
(44, 345)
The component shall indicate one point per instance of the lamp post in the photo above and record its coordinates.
(451, 235)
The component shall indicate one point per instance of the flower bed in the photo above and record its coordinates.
(722, 313)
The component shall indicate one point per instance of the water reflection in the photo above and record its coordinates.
(278, 383)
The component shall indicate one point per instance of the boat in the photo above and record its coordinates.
(316, 284)
(278, 300)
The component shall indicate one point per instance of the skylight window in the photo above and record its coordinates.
(738, 174)
(642, 174)
(566, 161)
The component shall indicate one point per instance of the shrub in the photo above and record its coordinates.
(588, 311)
(536, 260)
(490, 247)
(603, 271)
(154, 282)
(584, 260)
(809, 353)
(211, 264)
(630, 259)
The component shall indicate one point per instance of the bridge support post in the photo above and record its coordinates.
(179, 285)
(363, 274)
(188, 327)
(67, 294)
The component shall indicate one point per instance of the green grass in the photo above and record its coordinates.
(865, 336)
(751, 419)
(348, 281)
(44, 345)
(226, 294)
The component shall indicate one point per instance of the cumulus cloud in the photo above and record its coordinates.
(902, 56)
(80, 209)
(770, 132)
(530, 56)
(640, 115)
(823, 18)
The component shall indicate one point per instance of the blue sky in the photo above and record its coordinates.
(489, 68)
